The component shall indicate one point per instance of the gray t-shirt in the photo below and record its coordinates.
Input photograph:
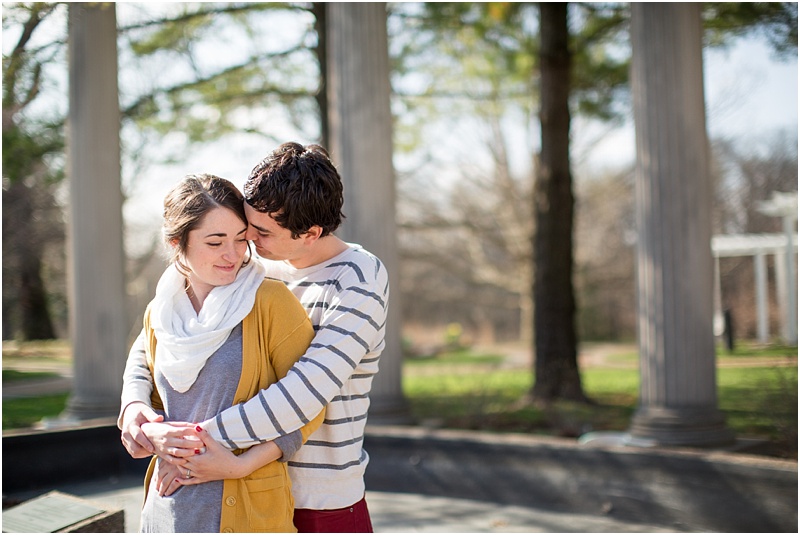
(195, 508)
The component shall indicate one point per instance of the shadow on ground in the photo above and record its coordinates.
(678, 490)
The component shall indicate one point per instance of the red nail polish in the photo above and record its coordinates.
(198, 428)
(197, 452)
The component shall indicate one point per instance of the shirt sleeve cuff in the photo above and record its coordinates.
(289, 444)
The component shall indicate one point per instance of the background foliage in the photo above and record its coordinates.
(465, 98)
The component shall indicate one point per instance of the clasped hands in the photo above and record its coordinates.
(188, 455)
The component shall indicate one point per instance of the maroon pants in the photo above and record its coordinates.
(353, 519)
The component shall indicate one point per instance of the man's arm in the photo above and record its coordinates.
(135, 409)
(137, 382)
(352, 328)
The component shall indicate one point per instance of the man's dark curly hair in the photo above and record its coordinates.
(299, 187)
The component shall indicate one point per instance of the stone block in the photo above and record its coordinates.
(57, 512)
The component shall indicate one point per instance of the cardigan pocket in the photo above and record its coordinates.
(269, 503)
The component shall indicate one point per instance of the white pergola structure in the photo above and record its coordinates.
(784, 248)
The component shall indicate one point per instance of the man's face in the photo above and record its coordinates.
(271, 240)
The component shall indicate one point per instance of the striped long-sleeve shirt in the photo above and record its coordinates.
(346, 298)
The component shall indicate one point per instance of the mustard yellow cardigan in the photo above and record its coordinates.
(275, 334)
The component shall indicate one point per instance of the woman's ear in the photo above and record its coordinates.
(175, 250)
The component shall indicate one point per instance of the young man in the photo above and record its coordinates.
(293, 202)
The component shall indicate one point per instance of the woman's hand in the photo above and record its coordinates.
(168, 478)
(213, 464)
(172, 440)
(209, 460)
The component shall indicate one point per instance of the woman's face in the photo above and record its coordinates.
(215, 251)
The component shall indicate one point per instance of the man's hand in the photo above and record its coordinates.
(134, 440)
(173, 441)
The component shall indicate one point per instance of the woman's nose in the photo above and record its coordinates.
(230, 252)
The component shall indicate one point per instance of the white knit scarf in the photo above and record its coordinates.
(185, 338)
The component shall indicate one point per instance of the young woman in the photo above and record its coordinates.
(216, 334)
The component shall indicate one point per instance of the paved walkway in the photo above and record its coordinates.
(37, 387)
(393, 512)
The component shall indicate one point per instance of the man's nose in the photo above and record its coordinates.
(250, 234)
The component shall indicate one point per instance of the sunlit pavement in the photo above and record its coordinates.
(392, 512)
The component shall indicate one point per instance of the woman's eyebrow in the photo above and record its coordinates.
(224, 234)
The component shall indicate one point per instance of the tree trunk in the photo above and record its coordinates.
(22, 248)
(555, 343)
(36, 323)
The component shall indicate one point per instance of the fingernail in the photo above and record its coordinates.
(197, 452)
(198, 428)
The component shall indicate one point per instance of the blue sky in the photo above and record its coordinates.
(747, 74)
(749, 95)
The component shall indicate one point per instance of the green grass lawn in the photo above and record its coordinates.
(758, 401)
(751, 349)
(13, 376)
(469, 390)
(24, 412)
(40, 351)
(458, 356)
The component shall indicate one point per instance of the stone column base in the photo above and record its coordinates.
(81, 407)
(389, 410)
(686, 426)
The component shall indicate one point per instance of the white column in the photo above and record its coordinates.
(784, 205)
(762, 325)
(360, 124)
(98, 326)
(719, 318)
(678, 397)
(791, 279)
(781, 291)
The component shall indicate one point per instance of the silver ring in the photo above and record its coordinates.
(188, 473)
